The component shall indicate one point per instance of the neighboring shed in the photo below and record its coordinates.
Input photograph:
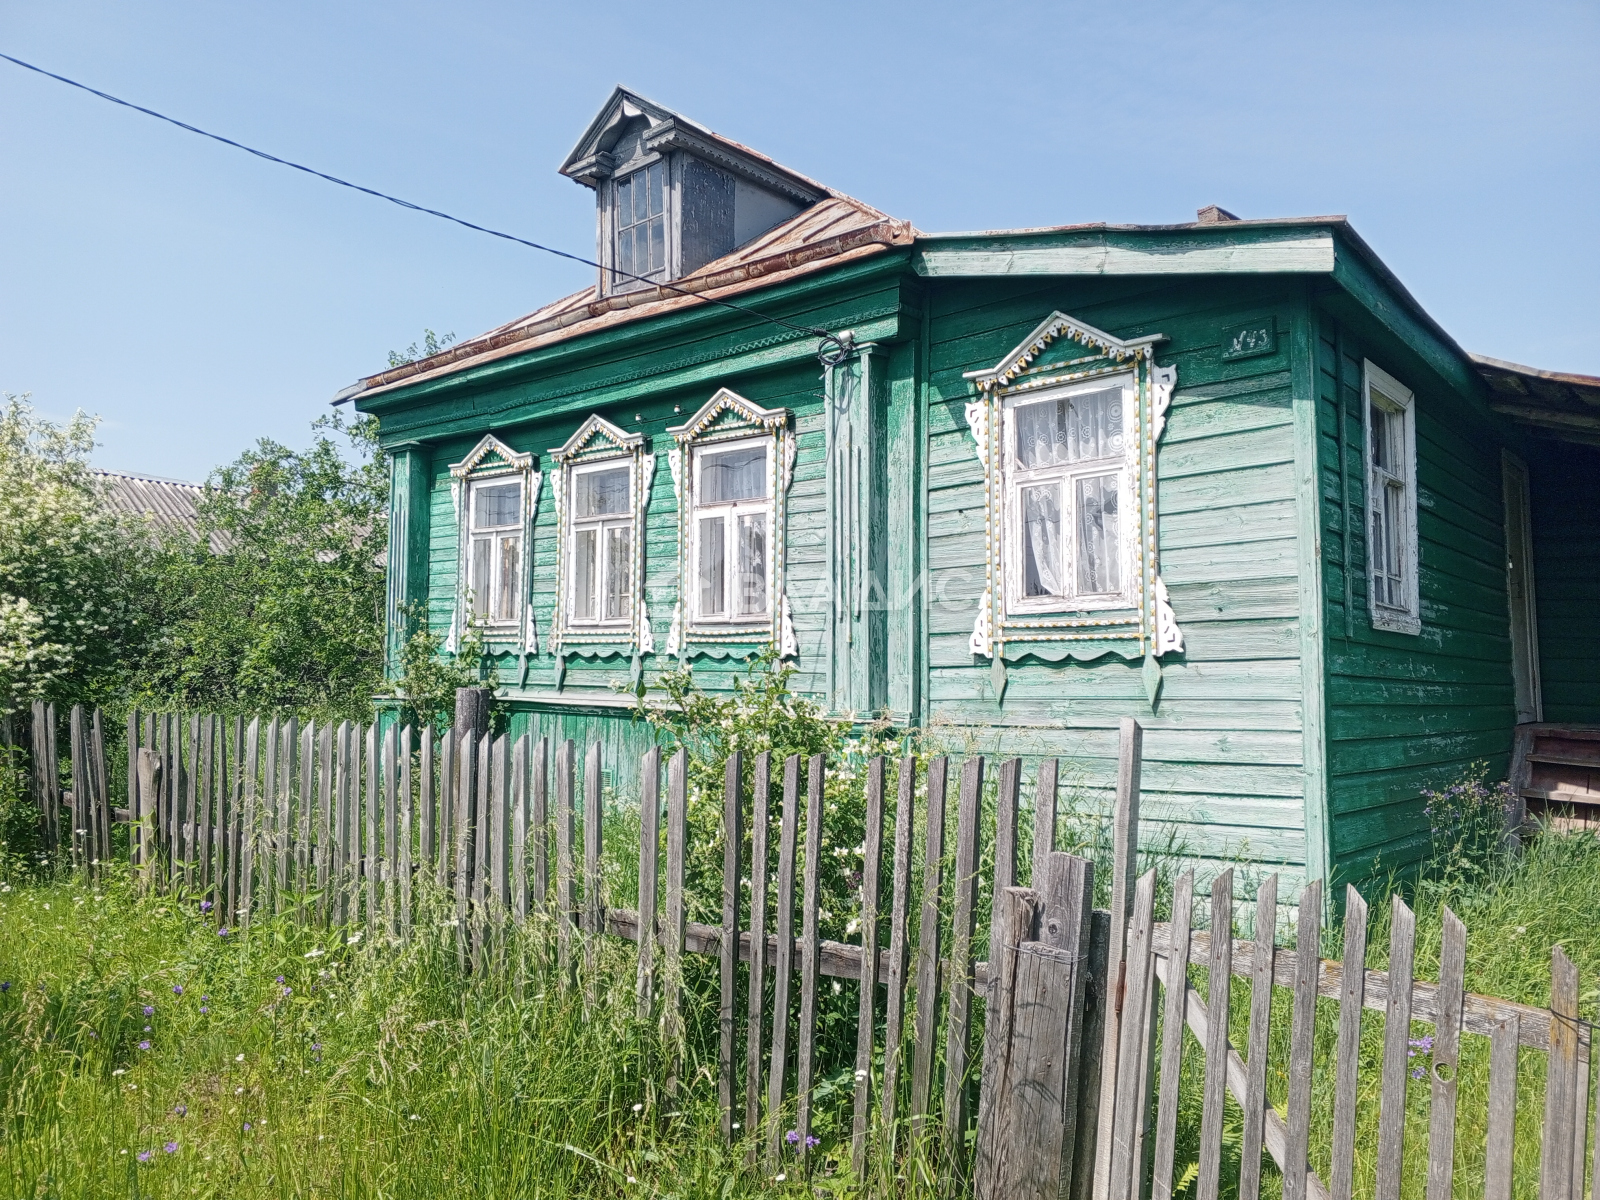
(171, 506)
(1225, 476)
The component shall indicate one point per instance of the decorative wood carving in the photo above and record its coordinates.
(1063, 350)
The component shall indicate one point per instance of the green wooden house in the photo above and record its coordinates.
(1225, 476)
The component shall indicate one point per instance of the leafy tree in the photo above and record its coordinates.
(74, 579)
(287, 611)
(432, 343)
(428, 677)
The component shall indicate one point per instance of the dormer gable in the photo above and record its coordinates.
(671, 195)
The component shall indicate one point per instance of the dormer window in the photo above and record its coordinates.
(672, 196)
(640, 221)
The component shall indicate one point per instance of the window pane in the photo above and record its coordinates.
(658, 243)
(482, 561)
(1387, 554)
(654, 173)
(713, 559)
(619, 590)
(641, 248)
(625, 253)
(601, 493)
(1076, 429)
(585, 572)
(752, 590)
(625, 202)
(1041, 541)
(1387, 433)
(497, 505)
(733, 475)
(1099, 536)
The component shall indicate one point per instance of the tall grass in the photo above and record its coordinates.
(144, 1053)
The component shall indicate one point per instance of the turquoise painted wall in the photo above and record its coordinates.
(1223, 751)
(1407, 712)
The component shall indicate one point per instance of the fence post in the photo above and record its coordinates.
(1034, 1041)
(1561, 1081)
(649, 858)
(149, 768)
(732, 851)
(1125, 857)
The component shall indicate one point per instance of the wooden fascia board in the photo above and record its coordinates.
(1293, 250)
(789, 301)
(523, 404)
(1406, 322)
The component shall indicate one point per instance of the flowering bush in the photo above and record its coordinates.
(762, 714)
(1467, 825)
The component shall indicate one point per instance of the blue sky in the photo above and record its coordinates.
(198, 298)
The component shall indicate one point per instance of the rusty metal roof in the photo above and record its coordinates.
(832, 230)
(1555, 402)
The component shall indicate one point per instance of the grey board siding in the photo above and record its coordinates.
(1408, 713)
(1224, 749)
(1565, 487)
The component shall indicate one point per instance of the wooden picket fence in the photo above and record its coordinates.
(1073, 1090)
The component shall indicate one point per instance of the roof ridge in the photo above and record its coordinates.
(144, 478)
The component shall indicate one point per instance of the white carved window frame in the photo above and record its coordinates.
(1060, 353)
(598, 442)
(1383, 391)
(492, 460)
(724, 420)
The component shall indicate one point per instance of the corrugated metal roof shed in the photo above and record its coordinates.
(170, 505)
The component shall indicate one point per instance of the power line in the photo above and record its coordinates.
(833, 350)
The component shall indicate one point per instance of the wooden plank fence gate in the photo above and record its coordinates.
(1073, 1091)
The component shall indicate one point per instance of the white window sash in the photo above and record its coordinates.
(483, 607)
(1065, 477)
(601, 527)
(1393, 593)
(730, 512)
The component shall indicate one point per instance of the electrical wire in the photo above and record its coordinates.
(834, 348)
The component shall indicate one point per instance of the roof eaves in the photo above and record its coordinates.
(707, 285)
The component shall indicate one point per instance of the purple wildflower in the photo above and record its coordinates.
(812, 1142)
(146, 1155)
(171, 1147)
(204, 1010)
(6, 986)
(177, 989)
(792, 1138)
(247, 1126)
(205, 906)
(287, 991)
(149, 1010)
(1416, 1072)
(280, 978)
(204, 998)
(144, 1045)
(223, 932)
(182, 1110)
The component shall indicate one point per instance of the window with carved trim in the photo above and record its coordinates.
(731, 465)
(1067, 427)
(603, 480)
(495, 493)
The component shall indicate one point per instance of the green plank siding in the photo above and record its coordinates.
(1224, 749)
(1406, 713)
(1565, 487)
